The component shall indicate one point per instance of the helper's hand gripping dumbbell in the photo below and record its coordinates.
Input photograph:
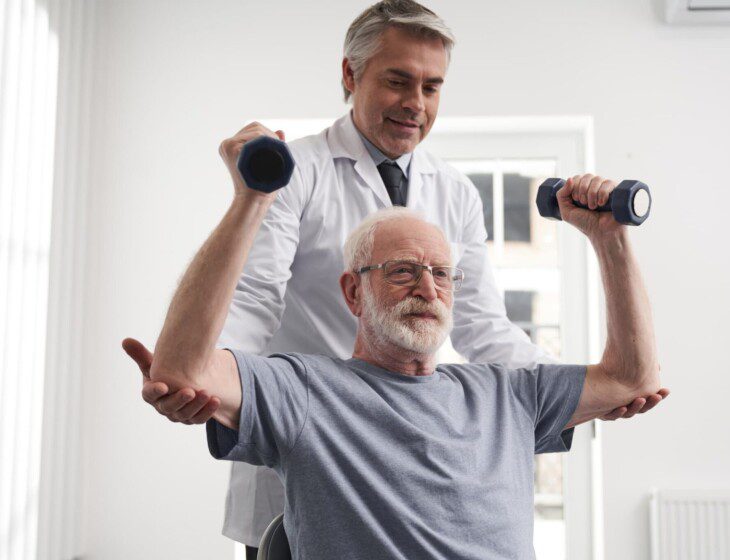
(629, 202)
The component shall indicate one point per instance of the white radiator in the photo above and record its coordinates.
(690, 524)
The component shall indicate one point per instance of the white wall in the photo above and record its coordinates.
(174, 78)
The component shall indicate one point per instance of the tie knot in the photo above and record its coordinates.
(391, 174)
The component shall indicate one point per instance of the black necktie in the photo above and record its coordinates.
(393, 176)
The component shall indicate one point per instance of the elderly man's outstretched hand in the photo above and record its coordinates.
(186, 405)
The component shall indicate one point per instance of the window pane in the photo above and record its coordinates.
(484, 184)
(519, 305)
(516, 207)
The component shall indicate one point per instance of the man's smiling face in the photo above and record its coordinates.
(395, 100)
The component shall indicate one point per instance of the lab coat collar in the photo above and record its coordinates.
(344, 141)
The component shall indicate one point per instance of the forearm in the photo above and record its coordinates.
(199, 307)
(630, 356)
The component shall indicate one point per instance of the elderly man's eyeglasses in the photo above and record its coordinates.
(408, 273)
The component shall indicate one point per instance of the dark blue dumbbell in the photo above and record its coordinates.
(630, 201)
(266, 164)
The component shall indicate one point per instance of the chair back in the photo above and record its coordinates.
(274, 545)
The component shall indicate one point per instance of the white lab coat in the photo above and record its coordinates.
(288, 298)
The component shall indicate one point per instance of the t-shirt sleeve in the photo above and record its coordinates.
(549, 394)
(273, 410)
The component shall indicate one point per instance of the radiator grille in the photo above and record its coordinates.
(690, 524)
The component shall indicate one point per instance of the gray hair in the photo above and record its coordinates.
(363, 37)
(359, 244)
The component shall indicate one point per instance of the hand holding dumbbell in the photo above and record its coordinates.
(257, 159)
(629, 202)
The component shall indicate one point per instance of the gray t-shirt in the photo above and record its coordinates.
(380, 465)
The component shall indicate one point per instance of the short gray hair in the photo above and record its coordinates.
(363, 37)
(359, 244)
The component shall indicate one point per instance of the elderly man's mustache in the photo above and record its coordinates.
(418, 306)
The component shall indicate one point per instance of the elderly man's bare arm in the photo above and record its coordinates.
(185, 358)
(629, 368)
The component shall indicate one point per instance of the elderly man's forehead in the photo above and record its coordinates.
(411, 238)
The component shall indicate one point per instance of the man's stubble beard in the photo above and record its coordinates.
(422, 336)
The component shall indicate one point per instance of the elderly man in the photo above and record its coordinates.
(394, 65)
(386, 454)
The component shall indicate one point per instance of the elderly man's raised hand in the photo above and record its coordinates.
(592, 191)
(186, 405)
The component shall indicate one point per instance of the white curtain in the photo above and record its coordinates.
(28, 70)
(41, 192)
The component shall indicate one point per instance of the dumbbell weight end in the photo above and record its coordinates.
(265, 164)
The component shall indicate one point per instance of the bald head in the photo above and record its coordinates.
(410, 238)
(394, 230)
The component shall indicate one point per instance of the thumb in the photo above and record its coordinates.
(139, 353)
(281, 135)
(565, 193)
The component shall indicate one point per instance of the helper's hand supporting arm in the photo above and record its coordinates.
(185, 355)
(629, 367)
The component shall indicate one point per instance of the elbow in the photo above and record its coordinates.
(641, 378)
(650, 380)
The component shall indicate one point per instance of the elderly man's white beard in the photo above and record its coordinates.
(423, 336)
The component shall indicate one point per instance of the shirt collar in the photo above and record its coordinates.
(379, 157)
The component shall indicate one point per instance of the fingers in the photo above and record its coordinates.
(256, 129)
(615, 414)
(634, 407)
(604, 190)
(589, 190)
(655, 399)
(651, 402)
(139, 353)
(637, 406)
(592, 194)
(230, 148)
(169, 404)
(152, 391)
(186, 405)
(205, 413)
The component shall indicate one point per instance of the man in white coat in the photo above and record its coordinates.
(287, 300)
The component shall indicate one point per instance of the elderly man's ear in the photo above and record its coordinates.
(351, 284)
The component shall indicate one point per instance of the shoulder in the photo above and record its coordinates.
(309, 149)
(310, 154)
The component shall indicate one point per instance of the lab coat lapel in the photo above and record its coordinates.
(420, 166)
(344, 141)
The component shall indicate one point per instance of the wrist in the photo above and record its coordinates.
(250, 196)
(616, 241)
